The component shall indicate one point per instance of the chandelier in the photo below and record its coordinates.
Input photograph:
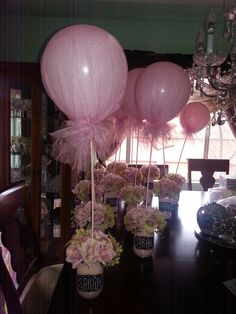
(213, 74)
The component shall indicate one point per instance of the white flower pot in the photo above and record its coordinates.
(143, 244)
(90, 280)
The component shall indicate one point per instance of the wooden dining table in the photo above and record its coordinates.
(184, 275)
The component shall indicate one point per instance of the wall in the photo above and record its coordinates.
(163, 30)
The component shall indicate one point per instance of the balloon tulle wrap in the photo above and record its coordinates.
(71, 144)
(118, 130)
(84, 71)
(155, 132)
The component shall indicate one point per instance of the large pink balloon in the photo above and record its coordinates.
(84, 71)
(161, 91)
(194, 117)
(129, 104)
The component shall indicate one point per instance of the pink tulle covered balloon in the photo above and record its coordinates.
(194, 117)
(162, 89)
(129, 104)
(84, 71)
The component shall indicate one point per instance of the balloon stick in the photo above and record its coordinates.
(163, 154)
(181, 154)
(131, 144)
(149, 168)
(119, 153)
(92, 187)
(136, 163)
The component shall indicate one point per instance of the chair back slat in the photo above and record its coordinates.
(207, 167)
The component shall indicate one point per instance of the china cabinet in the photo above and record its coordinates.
(20, 143)
(27, 117)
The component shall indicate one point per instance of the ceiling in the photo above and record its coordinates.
(122, 9)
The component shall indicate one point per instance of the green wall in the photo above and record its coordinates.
(163, 30)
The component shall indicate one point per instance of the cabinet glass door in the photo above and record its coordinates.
(20, 134)
(50, 225)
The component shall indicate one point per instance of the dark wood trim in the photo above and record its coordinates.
(66, 206)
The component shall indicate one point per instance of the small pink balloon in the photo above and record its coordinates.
(129, 103)
(84, 71)
(194, 117)
(161, 91)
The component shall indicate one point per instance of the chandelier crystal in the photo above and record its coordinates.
(213, 74)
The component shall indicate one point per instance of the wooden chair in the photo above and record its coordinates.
(34, 286)
(207, 167)
(164, 169)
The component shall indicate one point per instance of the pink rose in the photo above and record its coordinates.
(106, 253)
(73, 255)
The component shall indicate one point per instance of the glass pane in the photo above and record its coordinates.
(50, 230)
(20, 128)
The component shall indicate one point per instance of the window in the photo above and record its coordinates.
(211, 142)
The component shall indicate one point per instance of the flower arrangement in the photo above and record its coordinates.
(132, 195)
(169, 185)
(132, 175)
(116, 167)
(98, 175)
(103, 248)
(104, 216)
(179, 180)
(144, 219)
(82, 190)
(113, 183)
(154, 172)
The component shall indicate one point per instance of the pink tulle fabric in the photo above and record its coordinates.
(155, 132)
(71, 144)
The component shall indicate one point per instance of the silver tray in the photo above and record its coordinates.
(221, 240)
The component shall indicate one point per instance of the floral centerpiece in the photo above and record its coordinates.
(116, 167)
(142, 222)
(98, 175)
(132, 175)
(169, 187)
(88, 253)
(104, 216)
(82, 190)
(154, 174)
(102, 248)
(132, 195)
(145, 220)
(112, 185)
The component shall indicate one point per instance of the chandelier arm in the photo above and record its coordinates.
(205, 94)
(222, 87)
